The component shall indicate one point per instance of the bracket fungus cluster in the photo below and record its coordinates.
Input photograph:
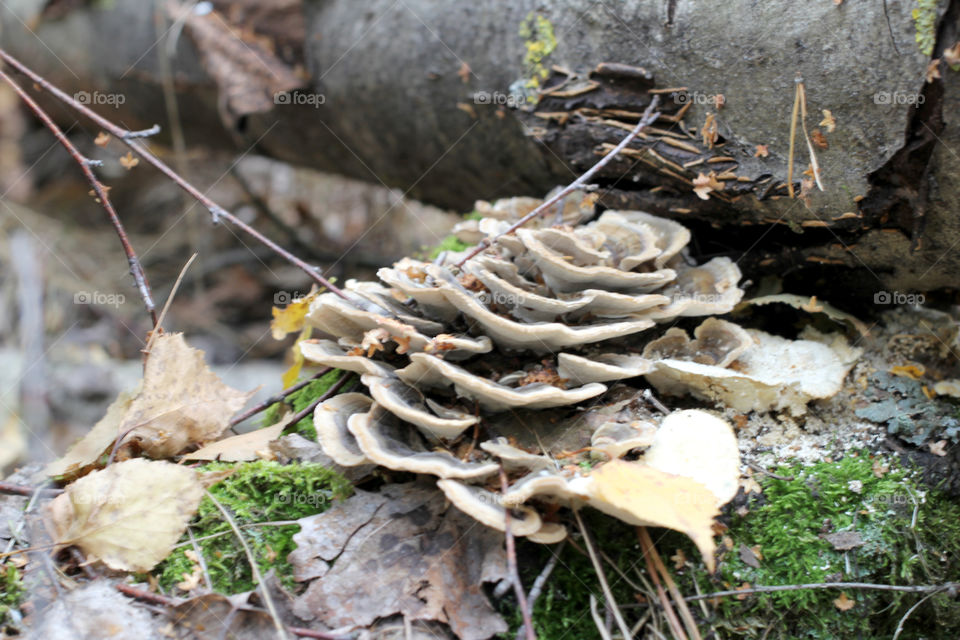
(492, 364)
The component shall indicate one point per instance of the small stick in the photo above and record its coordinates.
(671, 615)
(129, 138)
(279, 397)
(200, 559)
(254, 568)
(793, 134)
(597, 621)
(756, 467)
(329, 393)
(649, 116)
(24, 490)
(685, 614)
(512, 566)
(903, 620)
(136, 269)
(160, 599)
(830, 585)
(608, 594)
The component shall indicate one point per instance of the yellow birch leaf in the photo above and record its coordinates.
(643, 496)
(292, 317)
(129, 515)
(290, 375)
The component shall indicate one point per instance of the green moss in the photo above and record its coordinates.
(259, 492)
(925, 25)
(11, 589)
(539, 42)
(785, 522)
(300, 400)
(787, 525)
(450, 243)
(563, 609)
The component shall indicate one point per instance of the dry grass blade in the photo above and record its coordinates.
(650, 551)
(512, 567)
(607, 593)
(597, 620)
(793, 135)
(254, 568)
(802, 93)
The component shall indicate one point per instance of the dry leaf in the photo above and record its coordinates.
(644, 496)
(246, 446)
(743, 587)
(843, 602)
(933, 70)
(818, 139)
(248, 75)
(129, 161)
(679, 559)
(761, 151)
(938, 448)
(94, 610)
(708, 132)
(97, 441)
(290, 375)
(182, 401)
(704, 184)
(191, 580)
(213, 616)
(813, 306)
(102, 139)
(749, 556)
(829, 122)
(399, 551)
(129, 515)
(844, 540)
(292, 317)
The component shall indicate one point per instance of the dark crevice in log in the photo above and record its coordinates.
(901, 189)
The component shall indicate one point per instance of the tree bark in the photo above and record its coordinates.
(458, 101)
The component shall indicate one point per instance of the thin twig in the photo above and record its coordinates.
(136, 270)
(829, 585)
(597, 621)
(793, 134)
(329, 393)
(254, 568)
(279, 397)
(512, 566)
(156, 598)
(649, 116)
(756, 467)
(607, 593)
(685, 614)
(903, 620)
(200, 559)
(541, 580)
(674, 623)
(24, 490)
(129, 138)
